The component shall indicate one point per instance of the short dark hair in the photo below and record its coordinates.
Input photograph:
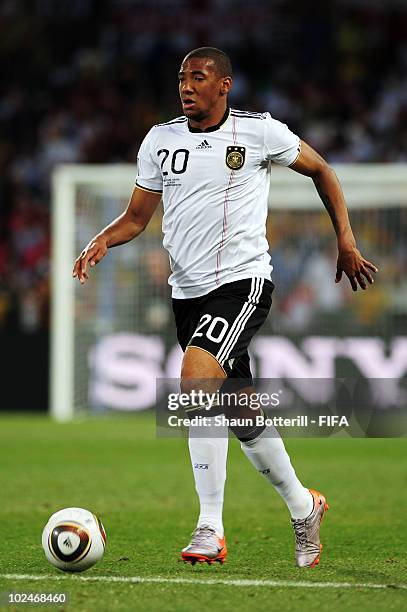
(222, 63)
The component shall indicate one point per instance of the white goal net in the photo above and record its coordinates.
(114, 336)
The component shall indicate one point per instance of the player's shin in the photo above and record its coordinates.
(268, 455)
(208, 448)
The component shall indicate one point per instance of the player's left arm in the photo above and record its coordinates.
(350, 260)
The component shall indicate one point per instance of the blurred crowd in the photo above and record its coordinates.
(84, 80)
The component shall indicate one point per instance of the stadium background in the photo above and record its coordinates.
(84, 80)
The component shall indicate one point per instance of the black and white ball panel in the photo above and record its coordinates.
(69, 542)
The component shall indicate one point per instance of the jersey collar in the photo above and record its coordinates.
(211, 128)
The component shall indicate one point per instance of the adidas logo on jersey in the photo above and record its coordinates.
(204, 145)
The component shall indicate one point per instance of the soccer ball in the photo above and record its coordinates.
(73, 539)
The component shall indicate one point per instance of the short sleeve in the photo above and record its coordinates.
(148, 171)
(280, 144)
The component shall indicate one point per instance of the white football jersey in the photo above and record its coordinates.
(214, 186)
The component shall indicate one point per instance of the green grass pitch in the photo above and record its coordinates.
(142, 489)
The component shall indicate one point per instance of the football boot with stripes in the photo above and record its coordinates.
(308, 547)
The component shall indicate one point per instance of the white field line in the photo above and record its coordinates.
(213, 581)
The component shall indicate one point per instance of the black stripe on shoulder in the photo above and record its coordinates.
(177, 120)
(239, 110)
(247, 117)
(239, 113)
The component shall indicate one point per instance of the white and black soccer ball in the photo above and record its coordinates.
(73, 539)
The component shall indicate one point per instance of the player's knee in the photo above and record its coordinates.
(187, 384)
(199, 384)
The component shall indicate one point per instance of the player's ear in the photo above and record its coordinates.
(225, 86)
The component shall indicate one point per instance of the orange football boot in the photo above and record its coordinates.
(206, 546)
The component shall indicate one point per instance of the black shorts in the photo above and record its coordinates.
(224, 321)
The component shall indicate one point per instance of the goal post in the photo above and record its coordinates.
(66, 180)
(118, 327)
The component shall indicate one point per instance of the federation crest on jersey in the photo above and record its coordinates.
(235, 157)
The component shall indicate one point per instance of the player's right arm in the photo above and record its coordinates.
(124, 228)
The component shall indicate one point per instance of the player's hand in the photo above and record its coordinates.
(94, 251)
(355, 266)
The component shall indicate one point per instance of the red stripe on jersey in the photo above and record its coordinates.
(225, 211)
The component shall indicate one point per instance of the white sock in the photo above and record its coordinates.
(208, 457)
(268, 455)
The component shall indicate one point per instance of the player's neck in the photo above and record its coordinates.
(212, 123)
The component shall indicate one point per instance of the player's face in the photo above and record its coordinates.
(200, 88)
